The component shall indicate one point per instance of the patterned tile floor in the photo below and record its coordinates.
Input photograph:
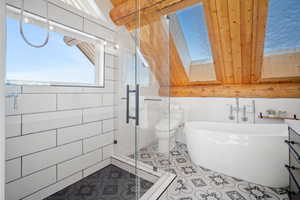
(195, 182)
(110, 183)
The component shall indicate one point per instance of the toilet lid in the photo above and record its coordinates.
(167, 125)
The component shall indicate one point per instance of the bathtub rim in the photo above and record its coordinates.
(195, 130)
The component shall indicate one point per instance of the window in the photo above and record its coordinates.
(67, 59)
(282, 40)
(193, 25)
(190, 33)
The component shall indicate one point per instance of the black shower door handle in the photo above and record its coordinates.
(127, 104)
(137, 103)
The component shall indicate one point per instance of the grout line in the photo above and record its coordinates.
(56, 137)
(21, 125)
(56, 101)
(63, 110)
(72, 27)
(83, 21)
(82, 148)
(54, 165)
(75, 141)
(59, 128)
(98, 148)
(56, 172)
(21, 166)
(77, 172)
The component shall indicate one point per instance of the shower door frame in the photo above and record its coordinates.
(2, 99)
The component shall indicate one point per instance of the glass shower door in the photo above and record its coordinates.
(144, 105)
(153, 136)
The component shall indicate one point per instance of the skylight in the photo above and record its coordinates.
(193, 25)
(282, 40)
(283, 26)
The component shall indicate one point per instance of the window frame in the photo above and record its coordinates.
(59, 28)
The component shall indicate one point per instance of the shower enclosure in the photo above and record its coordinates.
(144, 101)
(88, 141)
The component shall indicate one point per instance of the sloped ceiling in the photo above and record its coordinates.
(236, 31)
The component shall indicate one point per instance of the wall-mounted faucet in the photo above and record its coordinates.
(237, 102)
(235, 111)
(244, 118)
(231, 117)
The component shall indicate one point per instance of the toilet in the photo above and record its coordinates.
(167, 127)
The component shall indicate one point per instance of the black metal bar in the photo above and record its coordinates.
(289, 168)
(137, 104)
(152, 99)
(127, 104)
(291, 143)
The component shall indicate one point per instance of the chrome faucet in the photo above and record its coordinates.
(237, 101)
(243, 109)
(235, 109)
(244, 118)
(231, 117)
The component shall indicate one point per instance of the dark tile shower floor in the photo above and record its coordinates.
(110, 183)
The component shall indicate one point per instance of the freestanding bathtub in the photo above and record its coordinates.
(252, 152)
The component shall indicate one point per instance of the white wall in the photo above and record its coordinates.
(2, 105)
(56, 136)
(217, 109)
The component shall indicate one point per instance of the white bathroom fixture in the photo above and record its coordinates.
(252, 152)
(167, 127)
(234, 113)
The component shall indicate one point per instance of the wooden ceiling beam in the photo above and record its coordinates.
(117, 2)
(126, 12)
(260, 13)
(283, 90)
(236, 31)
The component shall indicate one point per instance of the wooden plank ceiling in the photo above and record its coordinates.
(236, 31)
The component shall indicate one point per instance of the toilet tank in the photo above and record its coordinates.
(176, 112)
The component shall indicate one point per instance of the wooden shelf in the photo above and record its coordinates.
(278, 118)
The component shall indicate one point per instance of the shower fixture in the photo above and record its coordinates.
(21, 26)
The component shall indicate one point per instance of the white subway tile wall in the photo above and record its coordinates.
(29, 184)
(96, 167)
(96, 142)
(70, 134)
(44, 159)
(108, 125)
(57, 135)
(13, 169)
(80, 163)
(13, 126)
(19, 146)
(43, 193)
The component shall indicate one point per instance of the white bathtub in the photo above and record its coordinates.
(252, 152)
